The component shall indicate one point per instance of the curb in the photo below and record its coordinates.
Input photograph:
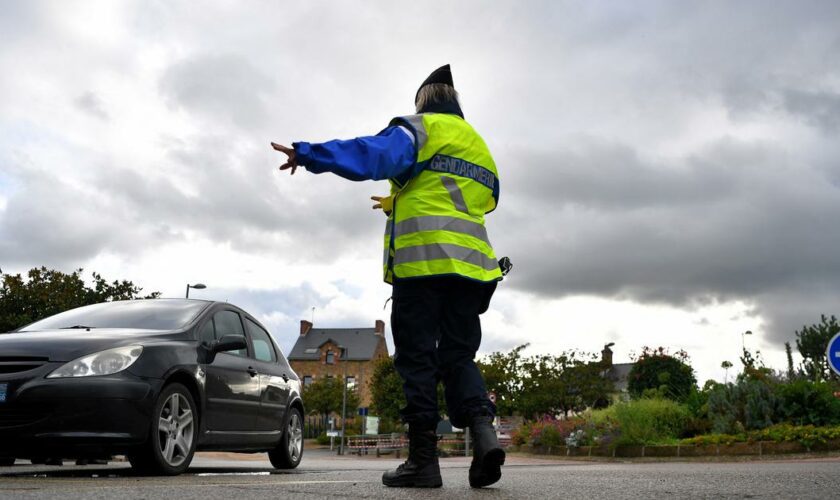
(757, 448)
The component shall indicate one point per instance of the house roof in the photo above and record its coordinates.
(360, 343)
(618, 373)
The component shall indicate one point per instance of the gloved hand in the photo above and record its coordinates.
(386, 203)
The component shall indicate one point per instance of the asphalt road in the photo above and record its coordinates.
(323, 475)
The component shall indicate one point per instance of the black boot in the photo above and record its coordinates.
(488, 456)
(421, 470)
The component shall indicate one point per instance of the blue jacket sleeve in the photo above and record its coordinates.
(383, 156)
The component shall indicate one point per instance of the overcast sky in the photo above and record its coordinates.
(670, 171)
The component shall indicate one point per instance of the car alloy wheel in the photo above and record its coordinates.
(289, 450)
(295, 431)
(176, 430)
(173, 434)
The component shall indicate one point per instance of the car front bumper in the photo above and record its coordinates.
(74, 416)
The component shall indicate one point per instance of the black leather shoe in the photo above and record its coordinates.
(488, 456)
(422, 469)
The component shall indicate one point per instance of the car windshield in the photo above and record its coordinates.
(152, 314)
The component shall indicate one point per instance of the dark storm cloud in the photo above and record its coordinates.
(222, 87)
(50, 222)
(790, 308)
(212, 192)
(821, 109)
(733, 221)
(611, 176)
(226, 200)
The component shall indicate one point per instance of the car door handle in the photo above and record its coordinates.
(252, 371)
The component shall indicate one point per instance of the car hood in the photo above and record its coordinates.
(67, 345)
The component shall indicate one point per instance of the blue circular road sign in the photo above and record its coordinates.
(833, 354)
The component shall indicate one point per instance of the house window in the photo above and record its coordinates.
(330, 358)
(351, 382)
(307, 380)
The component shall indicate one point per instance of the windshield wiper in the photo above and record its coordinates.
(77, 327)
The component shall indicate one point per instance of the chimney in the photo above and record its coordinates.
(305, 326)
(379, 329)
(607, 356)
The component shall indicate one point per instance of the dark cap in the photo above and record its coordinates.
(440, 75)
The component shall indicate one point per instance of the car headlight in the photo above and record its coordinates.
(100, 363)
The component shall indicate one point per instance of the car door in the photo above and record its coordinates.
(274, 386)
(233, 384)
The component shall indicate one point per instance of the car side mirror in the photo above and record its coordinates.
(208, 350)
(229, 343)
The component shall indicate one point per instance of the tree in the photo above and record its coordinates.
(386, 389)
(47, 292)
(503, 375)
(325, 396)
(561, 384)
(791, 372)
(812, 342)
(656, 370)
(544, 384)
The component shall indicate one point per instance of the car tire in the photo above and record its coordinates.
(7, 461)
(170, 447)
(288, 454)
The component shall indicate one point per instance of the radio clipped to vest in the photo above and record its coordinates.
(505, 265)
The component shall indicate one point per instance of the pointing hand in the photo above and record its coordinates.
(291, 161)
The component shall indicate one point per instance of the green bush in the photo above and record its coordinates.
(643, 421)
(546, 432)
(748, 405)
(522, 435)
(807, 435)
(808, 403)
(650, 421)
(322, 439)
(548, 436)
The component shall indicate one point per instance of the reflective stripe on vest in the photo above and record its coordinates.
(436, 251)
(436, 226)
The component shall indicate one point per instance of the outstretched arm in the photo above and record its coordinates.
(383, 156)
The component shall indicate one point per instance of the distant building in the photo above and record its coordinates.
(616, 373)
(319, 353)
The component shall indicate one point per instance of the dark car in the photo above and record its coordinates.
(154, 380)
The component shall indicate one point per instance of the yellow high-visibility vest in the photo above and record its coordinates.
(436, 225)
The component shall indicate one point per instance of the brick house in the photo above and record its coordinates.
(616, 373)
(318, 353)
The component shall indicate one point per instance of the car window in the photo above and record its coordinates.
(263, 350)
(228, 323)
(208, 332)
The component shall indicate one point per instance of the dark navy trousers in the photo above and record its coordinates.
(437, 332)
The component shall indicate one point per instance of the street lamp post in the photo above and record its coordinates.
(344, 405)
(743, 345)
(197, 286)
